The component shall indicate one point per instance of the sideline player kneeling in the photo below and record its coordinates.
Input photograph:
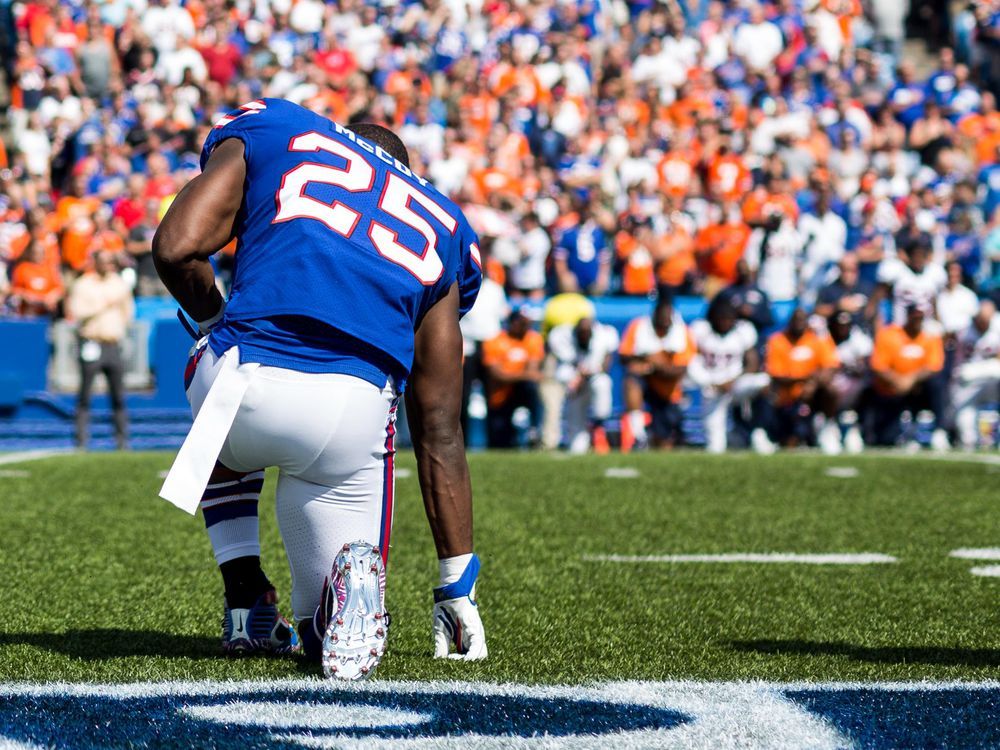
(351, 276)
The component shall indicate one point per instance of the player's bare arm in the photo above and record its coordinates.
(200, 222)
(433, 408)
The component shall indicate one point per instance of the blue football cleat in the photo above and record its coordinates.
(258, 630)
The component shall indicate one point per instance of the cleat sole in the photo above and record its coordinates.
(354, 642)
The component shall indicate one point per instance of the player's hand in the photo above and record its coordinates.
(456, 619)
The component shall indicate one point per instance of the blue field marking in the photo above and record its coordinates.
(925, 717)
(96, 722)
(434, 715)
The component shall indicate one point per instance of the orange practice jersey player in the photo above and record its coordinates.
(801, 362)
(907, 361)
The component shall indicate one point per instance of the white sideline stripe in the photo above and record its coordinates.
(22, 456)
(862, 558)
(988, 571)
(957, 457)
(621, 472)
(983, 553)
(14, 474)
(403, 473)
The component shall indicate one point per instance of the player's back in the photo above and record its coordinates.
(340, 246)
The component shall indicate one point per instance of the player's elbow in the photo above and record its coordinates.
(172, 247)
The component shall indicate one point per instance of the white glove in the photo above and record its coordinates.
(456, 618)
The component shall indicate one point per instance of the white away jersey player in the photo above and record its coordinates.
(854, 351)
(974, 346)
(569, 356)
(720, 358)
(909, 288)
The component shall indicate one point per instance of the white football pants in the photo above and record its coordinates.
(331, 436)
(716, 407)
(592, 399)
(979, 384)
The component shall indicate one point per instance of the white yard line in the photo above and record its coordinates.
(621, 472)
(984, 553)
(14, 474)
(987, 571)
(842, 472)
(862, 558)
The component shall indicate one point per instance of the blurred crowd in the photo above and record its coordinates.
(746, 152)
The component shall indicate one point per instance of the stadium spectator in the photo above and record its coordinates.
(583, 354)
(848, 293)
(513, 362)
(906, 363)
(656, 351)
(527, 275)
(956, 304)
(824, 237)
(720, 245)
(801, 362)
(36, 287)
(726, 370)
(483, 323)
(750, 302)
(100, 303)
(583, 256)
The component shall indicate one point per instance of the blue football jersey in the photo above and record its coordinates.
(341, 249)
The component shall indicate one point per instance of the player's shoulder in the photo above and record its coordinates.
(263, 125)
(778, 341)
(700, 329)
(608, 335)
(637, 324)
(937, 272)
(561, 333)
(267, 112)
(746, 332)
(890, 268)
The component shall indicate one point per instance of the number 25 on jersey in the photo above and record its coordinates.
(358, 176)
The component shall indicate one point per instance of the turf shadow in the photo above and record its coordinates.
(940, 655)
(110, 643)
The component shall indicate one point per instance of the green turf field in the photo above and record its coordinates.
(104, 582)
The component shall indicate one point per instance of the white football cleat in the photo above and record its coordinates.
(940, 441)
(456, 618)
(829, 439)
(853, 442)
(761, 443)
(354, 641)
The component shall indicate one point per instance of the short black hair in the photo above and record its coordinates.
(721, 305)
(383, 137)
